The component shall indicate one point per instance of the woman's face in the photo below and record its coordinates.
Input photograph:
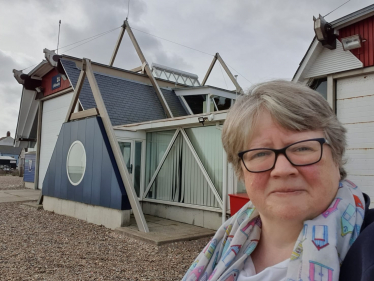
(289, 192)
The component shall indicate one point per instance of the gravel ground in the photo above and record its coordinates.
(11, 182)
(40, 245)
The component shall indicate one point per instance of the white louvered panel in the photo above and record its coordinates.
(356, 110)
(347, 88)
(54, 114)
(355, 103)
(360, 135)
(332, 61)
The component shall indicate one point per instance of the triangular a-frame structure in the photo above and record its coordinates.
(232, 78)
(101, 110)
(143, 68)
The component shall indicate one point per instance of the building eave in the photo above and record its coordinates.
(212, 118)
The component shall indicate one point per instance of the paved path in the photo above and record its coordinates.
(164, 231)
(19, 195)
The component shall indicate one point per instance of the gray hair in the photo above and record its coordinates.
(294, 106)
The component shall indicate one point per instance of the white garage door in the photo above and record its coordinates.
(355, 109)
(54, 114)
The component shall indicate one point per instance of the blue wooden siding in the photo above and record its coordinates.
(29, 173)
(101, 184)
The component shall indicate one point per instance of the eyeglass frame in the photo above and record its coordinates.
(322, 141)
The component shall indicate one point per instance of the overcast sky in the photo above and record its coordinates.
(261, 39)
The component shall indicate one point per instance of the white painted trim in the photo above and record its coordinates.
(67, 162)
(199, 207)
(142, 169)
(161, 163)
(208, 101)
(224, 187)
(204, 91)
(173, 122)
(355, 72)
(202, 168)
(305, 62)
(59, 93)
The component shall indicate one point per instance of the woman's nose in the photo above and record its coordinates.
(283, 167)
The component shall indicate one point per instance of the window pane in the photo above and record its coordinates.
(188, 81)
(240, 188)
(137, 166)
(181, 180)
(76, 162)
(125, 148)
(196, 103)
(208, 145)
(320, 85)
(172, 78)
(157, 143)
(222, 103)
(163, 76)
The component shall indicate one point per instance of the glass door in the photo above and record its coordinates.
(131, 152)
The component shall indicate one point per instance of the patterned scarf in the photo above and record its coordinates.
(318, 251)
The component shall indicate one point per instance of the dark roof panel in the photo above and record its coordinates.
(126, 101)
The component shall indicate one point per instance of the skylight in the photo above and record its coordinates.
(175, 75)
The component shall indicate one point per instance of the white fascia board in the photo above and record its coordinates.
(313, 52)
(204, 91)
(129, 135)
(26, 116)
(185, 121)
(41, 69)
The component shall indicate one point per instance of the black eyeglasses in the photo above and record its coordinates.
(301, 153)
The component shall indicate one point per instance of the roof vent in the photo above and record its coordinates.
(175, 75)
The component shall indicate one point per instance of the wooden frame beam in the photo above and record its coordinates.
(77, 91)
(137, 69)
(131, 194)
(38, 145)
(233, 80)
(148, 71)
(209, 70)
(116, 47)
(84, 114)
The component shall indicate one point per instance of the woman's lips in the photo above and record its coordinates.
(288, 191)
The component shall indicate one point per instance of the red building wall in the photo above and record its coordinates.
(365, 29)
(47, 83)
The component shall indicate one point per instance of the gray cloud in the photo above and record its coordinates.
(262, 39)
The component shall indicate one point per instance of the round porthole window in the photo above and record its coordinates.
(76, 163)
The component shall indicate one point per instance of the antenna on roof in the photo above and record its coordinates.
(58, 37)
(128, 9)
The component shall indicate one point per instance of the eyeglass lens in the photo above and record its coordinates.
(299, 154)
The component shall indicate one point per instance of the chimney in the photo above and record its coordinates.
(8, 134)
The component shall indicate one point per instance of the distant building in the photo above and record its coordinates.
(8, 140)
(14, 152)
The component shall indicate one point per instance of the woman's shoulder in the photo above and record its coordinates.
(359, 261)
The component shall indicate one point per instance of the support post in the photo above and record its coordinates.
(116, 47)
(138, 213)
(38, 145)
(148, 71)
(209, 70)
(233, 80)
(224, 187)
(331, 92)
(77, 90)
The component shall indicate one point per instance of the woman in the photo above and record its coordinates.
(286, 144)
